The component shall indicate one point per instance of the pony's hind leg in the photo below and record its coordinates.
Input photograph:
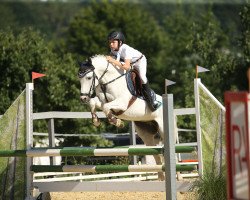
(148, 132)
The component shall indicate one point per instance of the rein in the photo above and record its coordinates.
(104, 85)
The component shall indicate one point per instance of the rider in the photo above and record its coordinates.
(131, 58)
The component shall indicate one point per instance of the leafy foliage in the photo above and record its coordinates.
(243, 59)
(19, 56)
(211, 186)
(89, 29)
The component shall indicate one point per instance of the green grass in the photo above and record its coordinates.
(210, 187)
(12, 133)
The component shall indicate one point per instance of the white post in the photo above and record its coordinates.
(169, 146)
(51, 131)
(29, 139)
(133, 140)
(198, 124)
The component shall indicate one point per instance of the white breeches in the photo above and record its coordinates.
(141, 66)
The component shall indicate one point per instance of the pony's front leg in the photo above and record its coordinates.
(114, 120)
(95, 103)
(114, 105)
(95, 120)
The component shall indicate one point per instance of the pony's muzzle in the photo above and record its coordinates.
(84, 98)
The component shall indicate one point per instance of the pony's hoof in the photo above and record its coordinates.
(96, 123)
(179, 176)
(120, 123)
(161, 176)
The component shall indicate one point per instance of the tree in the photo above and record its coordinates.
(245, 38)
(26, 52)
(212, 46)
(58, 91)
(199, 40)
(89, 29)
(179, 66)
(50, 18)
(19, 55)
(243, 56)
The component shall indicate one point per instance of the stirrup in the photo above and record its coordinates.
(156, 105)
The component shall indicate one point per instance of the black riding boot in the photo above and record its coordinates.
(150, 97)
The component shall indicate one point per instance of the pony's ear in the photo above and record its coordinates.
(87, 64)
(79, 62)
(89, 61)
(85, 67)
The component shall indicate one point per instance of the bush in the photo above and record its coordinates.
(211, 186)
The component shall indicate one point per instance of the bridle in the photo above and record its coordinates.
(90, 94)
(92, 90)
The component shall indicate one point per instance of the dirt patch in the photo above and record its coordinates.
(118, 196)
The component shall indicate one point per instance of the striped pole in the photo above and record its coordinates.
(108, 168)
(88, 151)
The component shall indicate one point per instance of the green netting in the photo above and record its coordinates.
(12, 134)
(213, 134)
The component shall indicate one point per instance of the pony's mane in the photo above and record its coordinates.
(97, 59)
(97, 56)
(99, 62)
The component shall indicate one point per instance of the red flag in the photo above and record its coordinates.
(37, 75)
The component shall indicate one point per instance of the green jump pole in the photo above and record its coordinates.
(108, 168)
(88, 151)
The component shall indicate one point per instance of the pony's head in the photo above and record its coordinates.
(87, 80)
(95, 70)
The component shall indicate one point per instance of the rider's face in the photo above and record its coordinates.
(114, 45)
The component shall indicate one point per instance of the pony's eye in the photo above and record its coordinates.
(89, 78)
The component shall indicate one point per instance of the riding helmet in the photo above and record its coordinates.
(116, 35)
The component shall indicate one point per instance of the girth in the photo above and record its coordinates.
(131, 101)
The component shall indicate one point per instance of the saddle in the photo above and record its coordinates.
(134, 83)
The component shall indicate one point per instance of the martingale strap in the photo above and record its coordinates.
(103, 85)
